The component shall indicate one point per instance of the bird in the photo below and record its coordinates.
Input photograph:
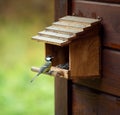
(45, 68)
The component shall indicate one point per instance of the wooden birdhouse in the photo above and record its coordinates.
(76, 41)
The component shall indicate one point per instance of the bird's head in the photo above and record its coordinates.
(49, 58)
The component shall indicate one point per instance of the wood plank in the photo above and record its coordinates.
(83, 20)
(71, 24)
(62, 88)
(57, 35)
(110, 81)
(50, 40)
(61, 96)
(65, 30)
(61, 8)
(110, 19)
(107, 1)
(61, 107)
(86, 101)
(84, 57)
(75, 23)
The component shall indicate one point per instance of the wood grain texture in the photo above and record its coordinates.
(90, 102)
(84, 57)
(107, 1)
(110, 81)
(110, 19)
(61, 96)
(62, 86)
(76, 25)
(61, 8)
(82, 20)
(50, 40)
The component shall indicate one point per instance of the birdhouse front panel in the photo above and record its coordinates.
(84, 54)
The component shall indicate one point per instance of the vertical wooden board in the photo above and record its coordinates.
(84, 54)
(62, 8)
(110, 19)
(61, 96)
(90, 102)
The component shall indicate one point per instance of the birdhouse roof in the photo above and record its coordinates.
(66, 29)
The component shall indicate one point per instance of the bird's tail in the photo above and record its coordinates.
(34, 78)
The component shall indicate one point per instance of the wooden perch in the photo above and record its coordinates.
(54, 71)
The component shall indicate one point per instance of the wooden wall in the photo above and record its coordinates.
(93, 96)
(102, 95)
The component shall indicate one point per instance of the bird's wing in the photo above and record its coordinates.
(43, 69)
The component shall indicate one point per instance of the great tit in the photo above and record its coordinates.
(45, 68)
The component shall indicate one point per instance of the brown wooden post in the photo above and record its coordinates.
(62, 88)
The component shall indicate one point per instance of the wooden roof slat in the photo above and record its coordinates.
(56, 35)
(70, 25)
(50, 40)
(80, 19)
(75, 24)
(64, 29)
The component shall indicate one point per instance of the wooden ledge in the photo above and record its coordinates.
(54, 71)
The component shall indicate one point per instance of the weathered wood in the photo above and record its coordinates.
(81, 20)
(110, 19)
(64, 30)
(62, 101)
(84, 57)
(87, 101)
(56, 35)
(110, 81)
(61, 39)
(71, 24)
(50, 40)
(75, 23)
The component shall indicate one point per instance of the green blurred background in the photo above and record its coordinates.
(19, 21)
